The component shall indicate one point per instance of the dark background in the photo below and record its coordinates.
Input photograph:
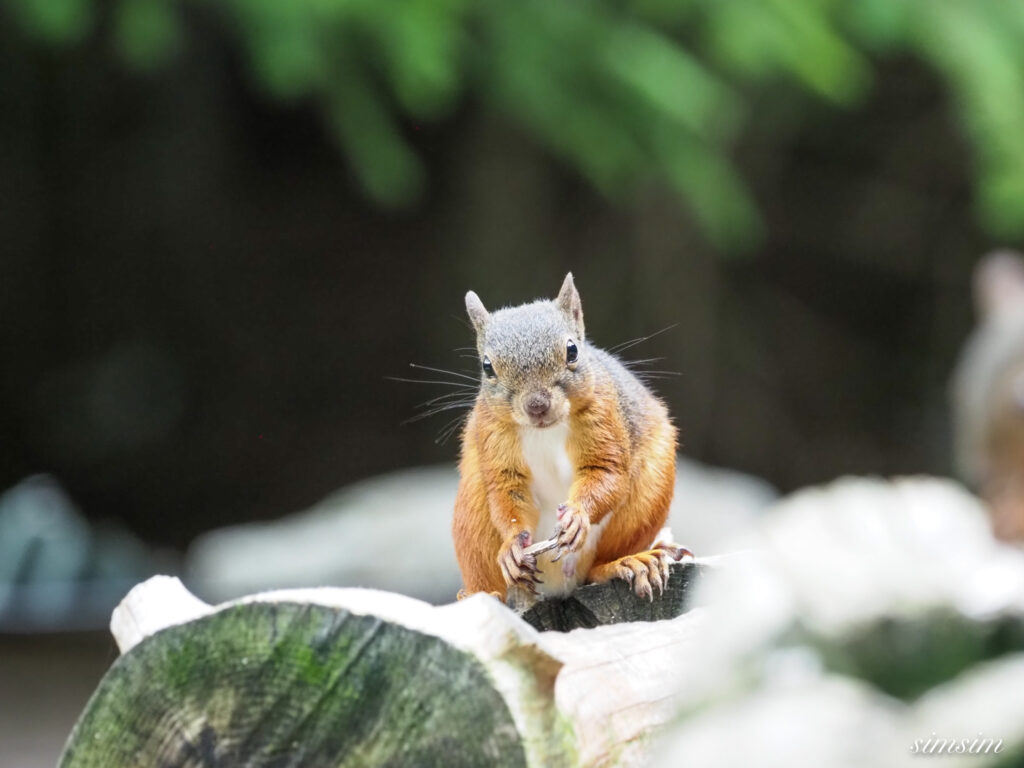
(199, 304)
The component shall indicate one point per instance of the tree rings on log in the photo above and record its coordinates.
(287, 684)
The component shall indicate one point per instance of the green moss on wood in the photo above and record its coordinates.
(268, 684)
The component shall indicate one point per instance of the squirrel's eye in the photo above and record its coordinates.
(488, 368)
(571, 352)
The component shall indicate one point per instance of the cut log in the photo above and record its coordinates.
(880, 624)
(292, 684)
(599, 604)
(340, 677)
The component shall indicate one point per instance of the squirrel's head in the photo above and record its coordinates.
(532, 357)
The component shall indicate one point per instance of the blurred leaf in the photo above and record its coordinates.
(146, 32)
(760, 39)
(880, 23)
(386, 166)
(422, 46)
(665, 13)
(1001, 199)
(819, 56)
(282, 45)
(715, 193)
(55, 21)
(671, 80)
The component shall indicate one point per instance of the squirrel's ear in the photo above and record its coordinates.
(477, 312)
(999, 284)
(569, 302)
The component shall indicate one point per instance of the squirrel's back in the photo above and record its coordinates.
(641, 409)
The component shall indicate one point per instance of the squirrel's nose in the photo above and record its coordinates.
(537, 404)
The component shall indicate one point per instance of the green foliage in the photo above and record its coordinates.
(57, 21)
(146, 32)
(628, 92)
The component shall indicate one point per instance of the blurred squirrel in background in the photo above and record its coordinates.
(563, 439)
(988, 394)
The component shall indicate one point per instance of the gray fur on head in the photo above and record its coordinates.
(569, 302)
(527, 344)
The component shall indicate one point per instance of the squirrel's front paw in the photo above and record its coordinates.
(517, 567)
(573, 527)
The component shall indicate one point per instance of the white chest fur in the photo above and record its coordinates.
(547, 457)
(546, 454)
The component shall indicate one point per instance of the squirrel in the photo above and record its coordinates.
(562, 438)
(988, 394)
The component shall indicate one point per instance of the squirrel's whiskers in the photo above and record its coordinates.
(462, 398)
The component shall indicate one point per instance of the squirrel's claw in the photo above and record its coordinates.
(573, 527)
(642, 584)
(518, 568)
(663, 562)
(655, 578)
(675, 551)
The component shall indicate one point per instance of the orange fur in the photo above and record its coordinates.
(633, 483)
